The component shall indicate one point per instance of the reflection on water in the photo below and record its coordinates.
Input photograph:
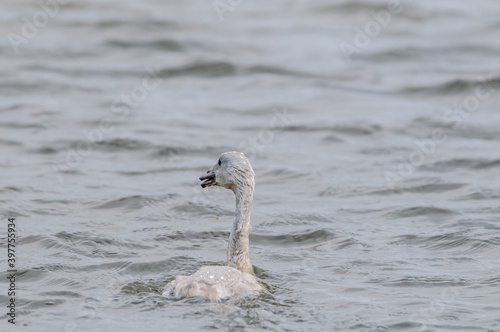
(377, 186)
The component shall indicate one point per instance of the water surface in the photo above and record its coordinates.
(377, 196)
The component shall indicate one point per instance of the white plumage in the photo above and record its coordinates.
(232, 171)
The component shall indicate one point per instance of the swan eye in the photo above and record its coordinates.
(219, 162)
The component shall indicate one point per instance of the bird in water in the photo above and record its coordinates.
(232, 171)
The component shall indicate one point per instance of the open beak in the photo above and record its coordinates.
(209, 179)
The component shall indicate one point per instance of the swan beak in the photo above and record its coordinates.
(209, 179)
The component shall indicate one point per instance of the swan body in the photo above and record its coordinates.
(214, 283)
(232, 171)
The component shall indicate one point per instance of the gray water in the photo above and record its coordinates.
(377, 196)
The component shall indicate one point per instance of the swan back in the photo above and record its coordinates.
(215, 283)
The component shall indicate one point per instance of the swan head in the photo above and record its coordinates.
(232, 171)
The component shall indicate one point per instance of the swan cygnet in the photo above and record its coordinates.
(232, 171)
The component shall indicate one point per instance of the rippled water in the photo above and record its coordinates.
(378, 187)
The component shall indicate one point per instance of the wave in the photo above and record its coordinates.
(353, 129)
(424, 188)
(455, 86)
(462, 242)
(462, 163)
(350, 7)
(294, 238)
(419, 211)
(160, 45)
(136, 202)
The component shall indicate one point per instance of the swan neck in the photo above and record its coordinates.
(238, 248)
(243, 203)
